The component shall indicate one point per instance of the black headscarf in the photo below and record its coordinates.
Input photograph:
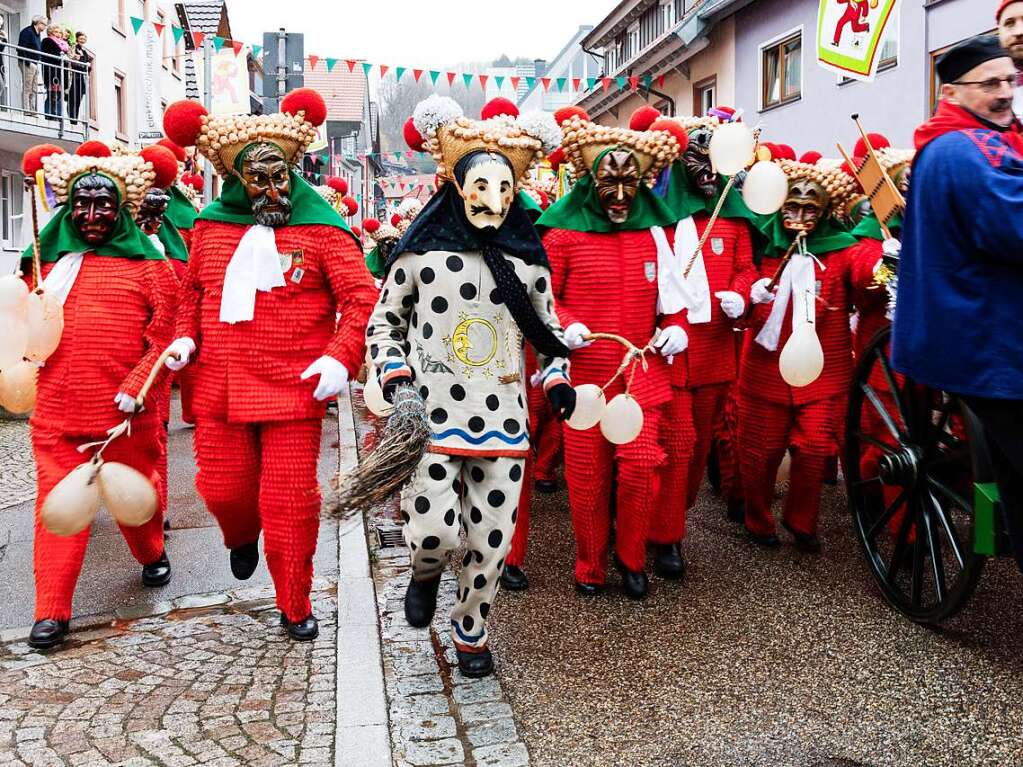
(442, 225)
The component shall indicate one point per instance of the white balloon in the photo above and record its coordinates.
(765, 188)
(45, 320)
(13, 337)
(589, 407)
(731, 148)
(18, 387)
(73, 502)
(13, 291)
(374, 397)
(128, 495)
(802, 358)
(623, 420)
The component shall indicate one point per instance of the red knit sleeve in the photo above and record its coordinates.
(161, 288)
(355, 294)
(189, 296)
(744, 273)
(556, 243)
(863, 258)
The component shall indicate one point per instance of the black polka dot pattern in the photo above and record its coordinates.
(439, 305)
(454, 263)
(457, 392)
(399, 276)
(426, 275)
(494, 539)
(467, 291)
(438, 415)
(493, 403)
(477, 424)
(437, 472)
(495, 498)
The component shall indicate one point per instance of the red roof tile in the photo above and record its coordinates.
(343, 91)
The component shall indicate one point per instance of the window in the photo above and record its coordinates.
(11, 198)
(631, 42)
(705, 95)
(121, 101)
(781, 71)
(890, 46)
(668, 18)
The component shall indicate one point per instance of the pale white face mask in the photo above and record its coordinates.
(487, 192)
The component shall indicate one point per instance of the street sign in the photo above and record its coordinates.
(283, 66)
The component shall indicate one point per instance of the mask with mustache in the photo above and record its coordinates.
(94, 208)
(804, 206)
(488, 188)
(150, 215)
(267, 181)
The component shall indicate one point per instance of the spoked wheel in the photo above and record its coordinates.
(909, 479)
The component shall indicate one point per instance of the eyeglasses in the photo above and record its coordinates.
(990, 86)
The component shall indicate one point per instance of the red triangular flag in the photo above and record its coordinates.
(351, 64)
(546, 81)
(451, 78)
(158, 28)
(577, 83)
(383, 69)
(515, 82)
(417, 73)
(483, 81)
(237, 46)
(313, 61)
(634, 82)
(606, 83)
(197, 38)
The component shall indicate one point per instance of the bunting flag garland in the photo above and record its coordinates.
(179, 33)
(313, 61)
(136, 24)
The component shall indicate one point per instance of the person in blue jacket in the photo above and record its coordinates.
(959, 319)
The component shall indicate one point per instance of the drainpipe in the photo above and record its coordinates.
(666, 97)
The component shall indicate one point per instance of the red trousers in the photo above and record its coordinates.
(545, 440)
(262, 476)
(186, 386)
(58, 559)
(590, 462)
(678, 439)
(726, 443)
(766, 430)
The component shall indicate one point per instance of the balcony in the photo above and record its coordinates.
(21, 125)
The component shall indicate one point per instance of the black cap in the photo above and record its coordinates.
(961, 58)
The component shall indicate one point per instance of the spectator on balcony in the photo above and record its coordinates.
(30, 45)
(55, 51)
(81, 60)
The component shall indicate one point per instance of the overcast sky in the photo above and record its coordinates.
(428, 34)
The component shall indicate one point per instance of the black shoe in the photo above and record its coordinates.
(421, 601)
(635, 584)
(244, 560)
(769, 541)
(305, 630)
(157, 573)
(47, 633)
(589, 589)
(514, 579)
(805, 542)
(714, 470)
(475, 664)
(668, 561)
(737, 511)
(546, 486)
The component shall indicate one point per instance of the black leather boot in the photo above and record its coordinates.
(635, 584)
(808, 543)
(737, 511)
(305, 630)
(421, 601)
(157, 573)
(546, 486)
(668, 561)
(589, 589)
(47, 633)
(769, 541)
(244, 560)
(514, 579)
(475, 664)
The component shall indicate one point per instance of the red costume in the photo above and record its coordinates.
(855, 14)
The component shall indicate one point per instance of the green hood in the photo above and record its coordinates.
(683, 200)
(824, 239)
(870, 227)
(172, 240)
(60, 236)
(580, 210)
(375, 263)
(180, 210)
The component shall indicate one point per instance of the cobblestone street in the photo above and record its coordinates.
(17, 470)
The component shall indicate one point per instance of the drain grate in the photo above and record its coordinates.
(389, 537)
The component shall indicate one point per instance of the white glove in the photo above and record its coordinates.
(731, 303)
(891, 247)
(574, 336)
(183, 349)
(333, 377)
(125, 403)
(671, 340)
(536, 379)
(759, 294)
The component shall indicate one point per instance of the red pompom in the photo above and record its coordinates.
(305, 100)
(413, 137)
(772, 148)
(32, 160)
(847, 170)
(785, 152)
(556, 158)
(497, 107)
(351, 205)
(174, 149)
(811, 157)
(93, 149)
(675, 129)
(193, 180)
(371, 225)
(395, 219)
(644, 117)
(563, 114)
(164, 163)
(877, 141)
(182, 122)
(356, 231)
(338, 184)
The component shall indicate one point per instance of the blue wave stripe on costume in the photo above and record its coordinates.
(481, 438)
(392, 365)
(466, 638)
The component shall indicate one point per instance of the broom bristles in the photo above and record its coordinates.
(391, 465)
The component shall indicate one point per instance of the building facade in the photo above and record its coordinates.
(571, 62)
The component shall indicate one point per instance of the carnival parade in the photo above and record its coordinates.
(570, 423)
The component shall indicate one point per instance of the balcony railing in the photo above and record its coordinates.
(43, 94)
(658, 20)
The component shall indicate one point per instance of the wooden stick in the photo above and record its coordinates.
(785, 261)
(710, 225)
(37, 268)
(164, 356)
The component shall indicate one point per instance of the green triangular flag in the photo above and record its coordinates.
(256, 50)
(178, 34)
(621, 82)
(560, 83)
(398, 72)
(218, 42)
(434, 74)
(647, 80)
(499, 79)
(467, 79)
(591, 83)
(331, 63)
(136, 24)
(366, 66)
(530, 82)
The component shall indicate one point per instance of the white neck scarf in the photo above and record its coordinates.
(675, 291)
(255, 266)
(155, 239)
(62, 276)
(669, 275)
(798, 282)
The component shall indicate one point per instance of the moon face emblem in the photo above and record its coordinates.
(474, 342)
